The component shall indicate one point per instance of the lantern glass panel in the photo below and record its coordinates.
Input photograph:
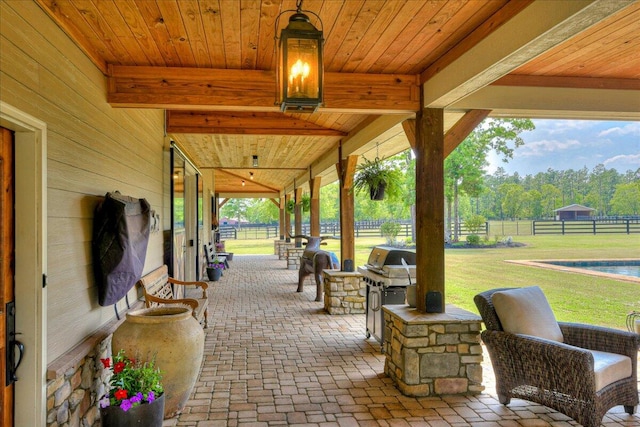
(302, 68)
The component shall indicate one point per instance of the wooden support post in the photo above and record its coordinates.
(297, 218)
(287, 218)
(314, 185)
(429, 205)
(282, 224)
(346, 170)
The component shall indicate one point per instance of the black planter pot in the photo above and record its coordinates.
(214, 274)
(145, 415)
(377, 193)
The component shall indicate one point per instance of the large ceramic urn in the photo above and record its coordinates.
(175, 338)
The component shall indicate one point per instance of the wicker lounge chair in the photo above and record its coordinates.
(560, 375)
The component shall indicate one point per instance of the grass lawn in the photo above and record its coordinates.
(573, 297)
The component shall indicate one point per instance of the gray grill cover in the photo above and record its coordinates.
(120, 238)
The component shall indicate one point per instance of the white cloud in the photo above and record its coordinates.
(555, 127)
(546, 146)
(629, 129)
(630, 159)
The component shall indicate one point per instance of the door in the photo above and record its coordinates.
(6, 273)
(186, 211)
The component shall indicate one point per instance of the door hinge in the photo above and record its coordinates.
(44, 281)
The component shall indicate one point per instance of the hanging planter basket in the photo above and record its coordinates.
(291, 206)
(306, 203)
(379, 177)
(377, 193)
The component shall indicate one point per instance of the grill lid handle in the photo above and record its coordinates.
(406, 266)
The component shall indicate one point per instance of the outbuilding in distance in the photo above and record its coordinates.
(574, 212)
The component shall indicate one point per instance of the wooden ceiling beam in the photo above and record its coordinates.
(568, 82)
(541, 26)
(554, 102)
(243, 123)
(253, 183)
(237, 194)
(179, 88)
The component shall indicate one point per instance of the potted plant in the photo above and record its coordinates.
(377, 177)
(136, 394)
(214, 269)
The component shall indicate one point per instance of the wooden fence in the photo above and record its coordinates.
(361, 229)
(596, 226)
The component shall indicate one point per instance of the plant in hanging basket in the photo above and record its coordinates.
(291, 206)
(377, 177)
(306, 202)
(133, 384)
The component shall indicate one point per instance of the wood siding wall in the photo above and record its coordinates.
(92, 149)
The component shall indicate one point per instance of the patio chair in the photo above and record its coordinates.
(579, 370)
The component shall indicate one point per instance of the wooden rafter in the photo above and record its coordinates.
(254, 183)
(243, 123)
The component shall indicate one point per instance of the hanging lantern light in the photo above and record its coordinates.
(300, 68)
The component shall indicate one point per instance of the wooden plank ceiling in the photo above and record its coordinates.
(210, 64)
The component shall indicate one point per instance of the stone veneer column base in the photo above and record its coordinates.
(293, 258)
(342, 292)
(281, 246)
(431, 354)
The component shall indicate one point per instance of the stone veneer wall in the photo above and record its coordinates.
(72, 398)
(293, 258)
(433, 354)
(342, 292)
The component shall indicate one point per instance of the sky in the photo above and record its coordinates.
(574, 144)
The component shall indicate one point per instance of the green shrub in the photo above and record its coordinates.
(473, 239)
(475, 223)
(390, 231)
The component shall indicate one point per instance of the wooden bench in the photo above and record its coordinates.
(157, 289)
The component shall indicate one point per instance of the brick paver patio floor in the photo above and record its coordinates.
(275, 357)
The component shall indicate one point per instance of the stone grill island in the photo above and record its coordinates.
(430, 354)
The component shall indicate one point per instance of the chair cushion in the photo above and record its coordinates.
(526, 311)
(610, 367)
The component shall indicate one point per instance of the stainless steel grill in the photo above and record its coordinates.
(386, 280)
(384, 267)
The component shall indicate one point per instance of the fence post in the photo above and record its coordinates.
(563, 227)
(594, 226)
(533, 227)
(628, 229)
